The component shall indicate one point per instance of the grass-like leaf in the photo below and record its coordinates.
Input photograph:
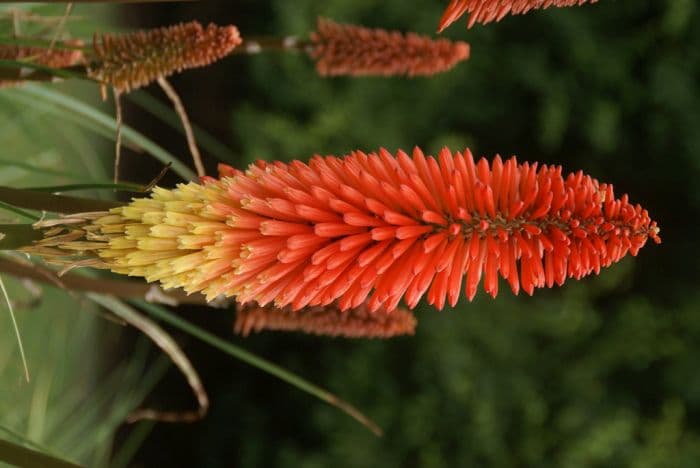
(63, 102)
(120, 187)
(262, 364)
(42, 201)
(16, 329)
(131, 445)
(18, 211)
(35, 169)
(19, 455)
(166, 343)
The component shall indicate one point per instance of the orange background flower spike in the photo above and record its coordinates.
(376, 227)
(130, 61)
(344, 49)
(54, 58)
(328, 320)
(486, 11)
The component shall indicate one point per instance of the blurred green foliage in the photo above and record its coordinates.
(597, 373)
(78, 395)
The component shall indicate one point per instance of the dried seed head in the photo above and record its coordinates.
(486, 11)
(329, 320)
(343, 49)
(130, 61)
(57, 57)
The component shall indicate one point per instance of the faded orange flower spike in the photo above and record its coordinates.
(344, 49)
(130, 61)
(329, 320)
(486, 11)
(376, 227)
(54, 58)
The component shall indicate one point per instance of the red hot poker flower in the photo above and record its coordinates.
(344, 49)
(130, 61)
(486, 11)
(374, 226)
(59, 57)
(328, 320)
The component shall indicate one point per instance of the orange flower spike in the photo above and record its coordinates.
(486, 11)
(344, 49)
(373, 229)
(133, 60)
(329, 320)
(54, 58)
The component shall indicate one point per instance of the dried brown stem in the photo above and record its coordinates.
(118, 288)
(61, 25)
(189, 134)
(255, 45)
(118, 138)
(168, 345)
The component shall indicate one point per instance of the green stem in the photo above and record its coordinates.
(42, 201)
(15, 236)
(62, 102)
(254, 45)
(260, 363)
(30, 71)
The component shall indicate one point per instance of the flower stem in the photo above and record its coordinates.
(255, 45)
(77, 282)
(42, 201)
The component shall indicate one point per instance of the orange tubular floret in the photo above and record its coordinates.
(358, 322)
(65, 54)
(133, 60)
(345, 49)
(302, 235)
(487, 11)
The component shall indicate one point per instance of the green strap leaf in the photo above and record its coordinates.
(121, 187)
(262, 364)
(19, 455)
(42, 201)
(62, 102)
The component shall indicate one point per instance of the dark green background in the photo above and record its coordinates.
(601, 372)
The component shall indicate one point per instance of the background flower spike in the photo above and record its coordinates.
(328, 320)
(345, 49)
(371, 227)
(66, 54)
(133, 60)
